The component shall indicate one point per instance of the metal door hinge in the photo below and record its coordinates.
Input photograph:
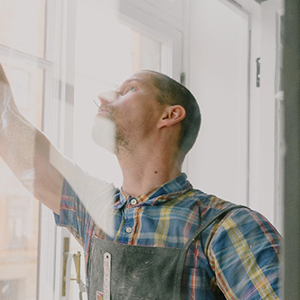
(182, 78)
(258, 72)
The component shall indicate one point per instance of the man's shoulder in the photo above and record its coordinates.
(209, 204)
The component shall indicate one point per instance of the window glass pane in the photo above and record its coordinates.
(22, 25)
(19, 211)
(150, 53)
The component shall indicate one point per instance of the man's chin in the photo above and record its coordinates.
(104, 133)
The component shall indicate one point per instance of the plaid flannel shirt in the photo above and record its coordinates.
(235, 258)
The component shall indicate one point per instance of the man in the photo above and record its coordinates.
(157, 247)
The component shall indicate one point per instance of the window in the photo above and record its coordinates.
(55, 71)
(22, 39)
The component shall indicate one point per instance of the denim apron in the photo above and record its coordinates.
(126, 272)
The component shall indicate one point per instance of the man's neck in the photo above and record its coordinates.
(143, 173)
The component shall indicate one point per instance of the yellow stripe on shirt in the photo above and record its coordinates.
(253, 270)
(161, 233)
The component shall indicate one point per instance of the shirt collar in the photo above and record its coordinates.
(173, 188)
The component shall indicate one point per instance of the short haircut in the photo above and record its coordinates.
(172, 92)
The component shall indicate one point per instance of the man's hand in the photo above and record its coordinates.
(6, 99)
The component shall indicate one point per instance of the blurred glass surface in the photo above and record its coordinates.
(19, 211)
(22, 25)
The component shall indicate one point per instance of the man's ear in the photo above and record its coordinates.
(171, 115)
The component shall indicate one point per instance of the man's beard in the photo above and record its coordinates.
(122, 142)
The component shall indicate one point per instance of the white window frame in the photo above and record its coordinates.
(45, 280)
(133, 14)
(56, 111)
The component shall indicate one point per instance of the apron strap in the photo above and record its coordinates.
(182, 258)
(218, 216)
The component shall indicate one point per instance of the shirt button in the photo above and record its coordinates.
(128, 229)
(133, 202)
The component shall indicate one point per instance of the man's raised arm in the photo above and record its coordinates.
(27, 151)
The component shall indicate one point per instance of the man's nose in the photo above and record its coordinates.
(109, 96)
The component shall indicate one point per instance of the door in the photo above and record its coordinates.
(219, 78)
(232, 74)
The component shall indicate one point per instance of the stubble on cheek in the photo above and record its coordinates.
(122, 140)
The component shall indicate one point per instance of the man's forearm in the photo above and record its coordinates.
(26, 150)
(16, 133)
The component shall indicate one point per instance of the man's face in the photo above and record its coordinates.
(133, 109)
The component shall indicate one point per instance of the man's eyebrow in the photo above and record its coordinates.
(133, 79)
(130, 80)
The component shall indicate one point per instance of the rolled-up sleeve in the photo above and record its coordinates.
(73, 215)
